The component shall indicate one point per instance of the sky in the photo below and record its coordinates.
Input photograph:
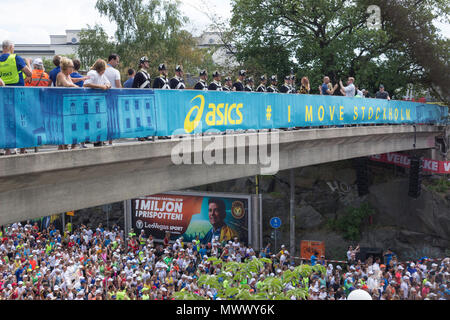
(32, 21)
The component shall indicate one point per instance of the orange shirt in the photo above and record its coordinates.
(39, 78)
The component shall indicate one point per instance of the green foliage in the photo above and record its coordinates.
(152, 28)
(441, 185)
(331, 37)
(350, 223)
(235, 276)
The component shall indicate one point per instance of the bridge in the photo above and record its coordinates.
(38, 184)
(328, 128)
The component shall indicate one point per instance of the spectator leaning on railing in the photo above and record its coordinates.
(13, 71)
(98, 80)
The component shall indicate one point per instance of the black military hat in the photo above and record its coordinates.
(144, 59)
(242, 72)
(216, 74)
(162, 66)
(249, 79)
(288, 77)
(178, 68)
(202, 73)
(227, 79)
(273, 78)
(263, 77)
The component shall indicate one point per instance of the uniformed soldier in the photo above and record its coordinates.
(238, 85)
(215, 85)
(273, 85)
(286, 87)
(262, 86)
(292, 84)
(177, 82)
(228, 84)
(161, 82)
(142, 78)
(201, 84)
(249, 84)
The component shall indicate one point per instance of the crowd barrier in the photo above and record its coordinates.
(34, 116)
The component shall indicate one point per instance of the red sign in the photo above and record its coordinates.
(307, 248)
(403, 160)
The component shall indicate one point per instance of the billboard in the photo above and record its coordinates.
(191, 215)
(307, 248)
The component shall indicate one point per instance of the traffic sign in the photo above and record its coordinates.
(275, 222)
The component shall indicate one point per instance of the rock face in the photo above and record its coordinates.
(411, 227)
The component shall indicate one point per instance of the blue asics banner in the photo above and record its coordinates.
(31, 116)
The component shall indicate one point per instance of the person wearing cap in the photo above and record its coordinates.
(249, 84)
(239, 85)
(262, 85)
(228, 86)
(161, 82)
(273, 85)
(286, 87)
(216, 85)
(142, 79)
(292, 83)
(177, 82)
(201, 84)
(382, 94)
(39, 78)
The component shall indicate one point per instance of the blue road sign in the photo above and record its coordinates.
(275, 222)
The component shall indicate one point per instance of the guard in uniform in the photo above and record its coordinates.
(215, 85)
(292, 84)
(201, 84)
(177, 82)
(286, 87)
(142, 78)
(249, 84)
(161, 82)
(228, 84)
(238, 85)
(262, 86)
(273, 85)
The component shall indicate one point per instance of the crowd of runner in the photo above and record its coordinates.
(100, 264)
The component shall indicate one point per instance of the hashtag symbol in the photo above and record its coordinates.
(268, 112)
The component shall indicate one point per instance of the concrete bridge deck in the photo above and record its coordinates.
(39, 184)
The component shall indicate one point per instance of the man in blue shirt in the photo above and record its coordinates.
(22, 66)
(314, 258)
(52, 74)
(324, 89)
(129, 82)
(13, 70)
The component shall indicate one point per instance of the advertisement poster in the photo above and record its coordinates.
(192, 215)
(307, 248)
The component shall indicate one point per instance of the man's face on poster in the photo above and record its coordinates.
(216, 218)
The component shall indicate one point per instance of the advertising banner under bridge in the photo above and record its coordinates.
(192, 215)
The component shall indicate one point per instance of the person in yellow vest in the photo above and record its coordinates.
(39, 78)
(13, 71)
(217, 215)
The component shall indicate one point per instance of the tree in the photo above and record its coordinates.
(231, 282)
(331, 37)
(153, 28)
(94, 44)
